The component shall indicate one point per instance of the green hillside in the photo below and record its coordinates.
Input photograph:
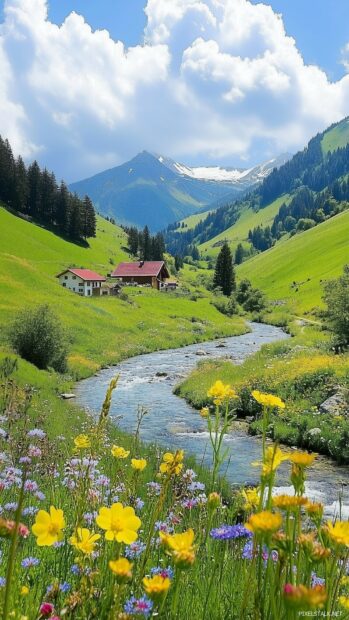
(336, 137)
(191, 221)
(239, 231)
(101, 329)
(307, 259)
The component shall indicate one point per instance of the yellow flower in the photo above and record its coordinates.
(24, 590)
(339, 532)
(172, 463)
(204, 412)
(122, 568)
(84, 540)
(273, 458)
(48, 527)
(119, 453)
(220, 392)
(213, 500)
(344, 602)
(82, 441)
(268, 400)
(301, 597)
(180, 546)
(302, 459)
(264, 522)
(121, 524)
(289, 502)
(251, 498)
(157, 586)
(345, 581)
(138, 464)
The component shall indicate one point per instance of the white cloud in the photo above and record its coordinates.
(214, 79)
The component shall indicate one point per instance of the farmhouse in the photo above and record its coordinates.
(81, 281)
(150, 273)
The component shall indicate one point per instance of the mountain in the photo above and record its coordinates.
(155, 190)
(308, 189)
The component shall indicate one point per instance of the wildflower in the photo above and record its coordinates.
(2, 582)
(204, 412)
(138, 606)
(154, 488)
(30, 562)
(172, 463)
(121, 524)
(164, 572)
(36, 432)
(82, 441)
(48, 526)
(213, 500)
(251, 498)
(156, 587)
(46, 609)
(315, 511)
(227, 532)
(134, 550)
(119, 453)
(272, 460)
(268, 400)
(301, 597)
(264, 522)
(122, 569)
(24, 590)
(139, 504)
(302, 459)
(220, 392)
(180, 546)
(289, 503)
(339, 532)
(344, 602)
(7, 528)
(30, 486)
(316, 581)
(138, 464)
(84, 540)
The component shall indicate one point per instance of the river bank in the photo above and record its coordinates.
(149, 381)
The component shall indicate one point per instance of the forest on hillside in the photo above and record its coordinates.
(35, 194)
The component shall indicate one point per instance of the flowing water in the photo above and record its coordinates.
(148, 381)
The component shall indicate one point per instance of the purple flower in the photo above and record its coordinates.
(34, 451)
(134, 550)
(31, 486)
(227, 532)
(40, 496)
(30, 562)
(90, 517)
(196, 486)
(154, 488)
(138, 606)
(11, 506)
(30, 511)
(25, 460)
(189, 503)
(139, 503)
(316, 581)
(36, 432)
(247, 552)
(2, 582)
(163, 572)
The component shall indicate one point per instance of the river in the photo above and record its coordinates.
(173, 423)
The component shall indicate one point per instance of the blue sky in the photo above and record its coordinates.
(216, 83)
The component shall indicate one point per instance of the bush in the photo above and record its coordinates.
(251, 299)
(38, 337)
(226, 306)
(336, 297)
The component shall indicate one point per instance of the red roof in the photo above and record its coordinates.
(147, 268)
(85, 274)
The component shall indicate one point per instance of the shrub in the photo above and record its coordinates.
(226, 306)
(336, 297)
(38, 337)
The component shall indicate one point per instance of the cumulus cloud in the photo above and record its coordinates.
(213, 79)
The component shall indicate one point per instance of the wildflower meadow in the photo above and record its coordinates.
(90, 528)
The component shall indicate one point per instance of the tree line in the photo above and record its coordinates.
(144, 245)
(35, 193)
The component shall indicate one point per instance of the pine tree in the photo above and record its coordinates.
(146, 244)
(62, 209)
(34, 190)
(48, 190)
(88, 219)
(224, 276)
(75, 224)
(7, 174)
(239, 254)
(22, 188)
(158, 247)
(133, 240)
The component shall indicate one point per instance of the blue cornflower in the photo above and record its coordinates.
(36, 432)
(2, 582)
(316, 581)
(139, 503)
(228, 532)
(30, 562)
(134, 550)
(64, 587)
(138, 606)
(163, 572)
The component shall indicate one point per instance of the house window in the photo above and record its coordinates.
(89, 292)
(74, 277)
(66, 277)
(64, 284)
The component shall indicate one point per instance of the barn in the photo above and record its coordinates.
(149, 273)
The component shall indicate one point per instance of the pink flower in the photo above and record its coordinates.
(288, 588)
(46, 610)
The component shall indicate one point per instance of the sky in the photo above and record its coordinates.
(87, 84)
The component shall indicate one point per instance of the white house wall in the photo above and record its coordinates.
(78, 285)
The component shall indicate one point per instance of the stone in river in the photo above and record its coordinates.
(161, 373)
(221, 345)
(67, 396)
(200, 352)
(335, 404)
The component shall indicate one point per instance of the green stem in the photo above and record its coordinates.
(12, 555)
